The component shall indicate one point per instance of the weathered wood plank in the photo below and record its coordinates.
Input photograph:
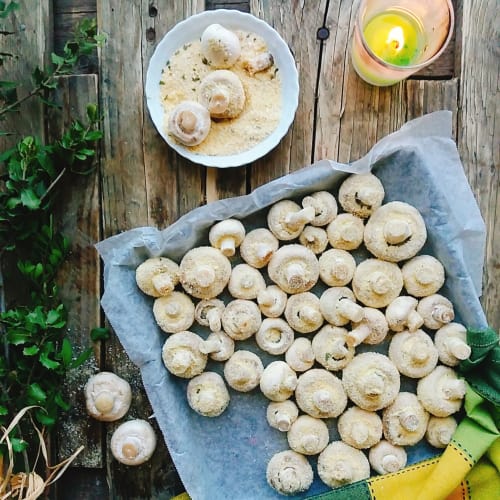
(478, 133)
(78, 483)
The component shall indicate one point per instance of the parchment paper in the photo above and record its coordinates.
(226, 457)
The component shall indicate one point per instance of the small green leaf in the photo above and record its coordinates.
(18, 337)
(44, 359)
(99, 334)
(18, 445)
(81, 358)
(3, 410)
(61, 403)
(29, 199)
(31, 351)
(92, 113)
(57, 60)
(36, 393)
(66, 352)
(45, 419)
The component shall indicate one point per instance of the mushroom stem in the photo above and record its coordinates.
(227, 246)
(294, 274)
(444, 436)
(266, 298)
(409, 420)
(104, 401)
(340, 270)
(443, 313)
(218, 102)
(323, 400)
(390, 463)
(181, 360)
(366, 195)
(414, 321)
(283, 421)
(209, 346)
(214, 319)
(380, 283)
(309, 314)
(263, 251)
(460, 349)
(130, 449)
(373, 383)
(338, 349)
(356, 336)
(396, 231)
(342, 472)
(359, 433)
(300, 218)
(187, 121)
(205, 276)
(310, 442)
(426, 276)
(454, 389)
(288, 477)
(350, 310)
(162, 283)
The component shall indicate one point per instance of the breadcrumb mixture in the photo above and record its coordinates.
(181, 80)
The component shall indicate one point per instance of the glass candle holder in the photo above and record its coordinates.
(395, 38)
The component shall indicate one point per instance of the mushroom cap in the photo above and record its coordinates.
(272, 301)
(205, 272)
(360, 428)
(243, 370)
(423, 275)
(182, 356)
(207, 394)
(340, 464)
(258, 247)
(377, 283)
(451, 342)
(395, 231)
(325, 207)
(157, 276)
(436, 310)
(174, 312)
(278, 381)
(208, 312)
(274, 336)
(345, 232)
(314, 238)
(286, 219)
(133, 442)
(361, 194)
(372, 329)
(107, 396)
(222, 93)
(338, 306)
(440, 431)
(219, 46)
(219, 346)
(300, 355)
(241, 319)
(336, 267)
(282, 414)
(320, 394)
(308, 435)
(226, 236)
(294, 268)
(385, 457)
(401, 314)
(289, 472)
(371, 380)
(330, 348)
(413, 353)
(302, 312)
(189, 123)
(245, 282)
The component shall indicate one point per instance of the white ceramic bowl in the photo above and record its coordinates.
(192, 28)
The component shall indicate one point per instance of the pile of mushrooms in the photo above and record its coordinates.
(342, 330)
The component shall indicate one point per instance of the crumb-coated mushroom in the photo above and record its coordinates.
(205, 272)
(377, 283)
(314, 238)
(451, 342)
(278, 381)
(340, 464)
(157, 276)
(282, 414)
(320, 394)
(405, 420)
(330, 348)
(208, 312)
(338, 306)
(413, 353)
(308, 435)
(133, 442)
(440, 431)
(401, 314)
(286, 219)
(272, 301)
(243, 370)
(226, 236)
(245, 282)
(436, 310)
(345, 232)
(257, 63)
(189, 122)
(241, 319)
(300, 355)
(294, 268)
(441, 392)
(220, 47)
(174, 312)
(107, 396)
(289, 473)
(274, 336)
(325, 207)
(302, 312)
(371, 380)
(182, 356)
(258, 247)
(395, 231)
(423, 275)
(360, 428)
(372, 329)
(218, 345)
(385, 457)
(222, 93)
(336, 267)
(207, 394)
(361, 194)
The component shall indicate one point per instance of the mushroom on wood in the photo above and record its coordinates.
(300, 355)
(182, 356)
(331, 349)
(174, 312)
(241, 319)
(325, 207)
(243, 370)
(226, 236)
(451, 344)
(385, 457)
(282, 414)
(245, 282)
(189, 123)
(303, 312)
(308, 435)
(207, 394)
(361, 194)
(133, 442)
(436, 310)
(274, 336)
(289, 473)
(423, 275)
(272, 301)
(345, 232)
(278, 381)
(336, 267)
(359, 428)
(258, 247)
(157, 276)
(286, 219)
(338, 306)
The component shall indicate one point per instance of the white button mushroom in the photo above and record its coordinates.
(451, 342)
(345, 232)
(182, 356)
(133, 442)
(208, 312)
(157, 276)
(272, 301)
(372, 329)
(440, 430)
(174, 312)
(320, 394)
(308, 435)
(222, 93)
(289, 473)
(226, 236)
(330, 348)
(371, 381)
(405, 420)
(385, 457)
(286, 219)
(107, 396)
(218, 345)
(336, 267)
(436, 310)
(245, 282)
(207, 394)
(189, 123)
(423, 275)
(401, 314)
(259, 62)
(258, 247)
(302, 312)
(243, 370)
(300, 355)
(220, 47)
(360, 428)
(278, 381)
(361, 194)
(325, 207)
(241, 319)
(314, 238)
(340, 464)
(282, 414)
(274, 336)
(338, 306)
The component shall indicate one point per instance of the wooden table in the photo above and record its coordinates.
(140, 181)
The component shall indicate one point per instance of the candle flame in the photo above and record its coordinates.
(396, 38)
